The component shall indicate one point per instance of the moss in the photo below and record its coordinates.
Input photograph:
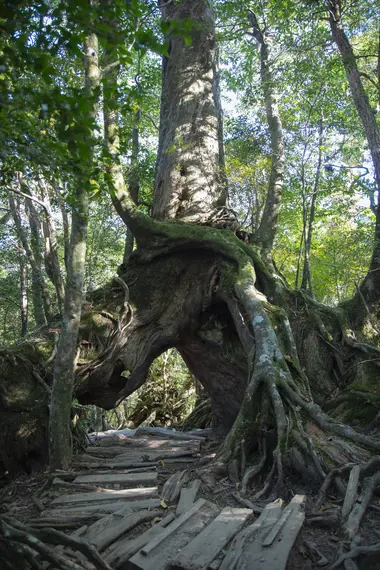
(45, 349)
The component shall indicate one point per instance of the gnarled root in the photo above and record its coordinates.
(23, 548)
(306, 438)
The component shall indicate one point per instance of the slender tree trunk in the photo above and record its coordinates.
(134, 182)
(60, 448)
(39, 290)
(65, 225)
(37, 247)
(306, 276)
(369, 290)
(190, 181)
(52, 265)
(23, 292)
(269, 220)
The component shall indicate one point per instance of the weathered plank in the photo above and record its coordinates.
(265, 521)
(136, 452)
(106, 495)
(119, 552)
(139, 442)
(105, 531)
(172, 487)
(103, 508)
(201, 551)
(168, 434)
(164, 548)
(128, 480)
(272, 544)
(154, 454)
(187, 497)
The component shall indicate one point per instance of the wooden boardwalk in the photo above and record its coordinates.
(113, 500)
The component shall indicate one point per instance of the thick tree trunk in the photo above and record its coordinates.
(190, 181)
(60, 448)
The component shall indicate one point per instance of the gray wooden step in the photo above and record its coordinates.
(119, 552)
(106, 495)
(105, 531)
(102, 508)
(267, 543)
(129, 480)
(187, 497)
(202, 550)
(160, 552)
(138, 443)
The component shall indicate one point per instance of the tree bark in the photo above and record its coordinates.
(269, 220)
(306, 283)
(370, 287)
(52, 264)
(133, 182)
(190, 181)
(39, 290)
(60, 448)
(23, 292)
(37, 248)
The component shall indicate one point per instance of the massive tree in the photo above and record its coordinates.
(265, 354)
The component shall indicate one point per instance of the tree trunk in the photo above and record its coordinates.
(191, 121)
(60, 448)
(306, 275)
(39, 290)
(52, 264)
(23, 292)
(37, 248)
(134, 182)
(269, 220)
(368, 293)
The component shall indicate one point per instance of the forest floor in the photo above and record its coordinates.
(154, 473)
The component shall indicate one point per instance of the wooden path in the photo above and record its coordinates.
(116, 501)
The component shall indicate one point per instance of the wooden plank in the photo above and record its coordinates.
(106, 495)
(272, 546)
(128, 480)
(103, 508)
(119, 552)
(201, 551)
(265, 521)
(159, 553)
(145, 455)
(137, 452)
(138, 443)
(105, 531)
(174, 526)
(116, 465)
(172, 487)
(187, 497)
(172, 434)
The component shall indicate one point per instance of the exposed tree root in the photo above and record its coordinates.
(32, 542)
(354, 553)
